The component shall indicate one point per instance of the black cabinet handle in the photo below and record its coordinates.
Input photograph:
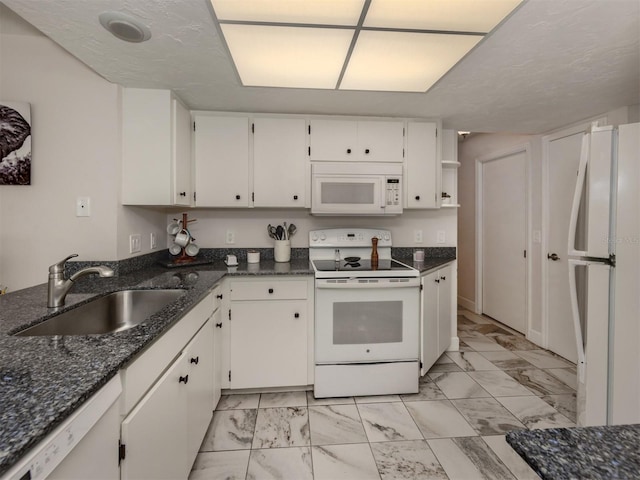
(219, 296)
(348, 150)
(295, 197)
(219, 325)
(184, 379)
(237, 197)
(183, 194)
(195, 360)
(437, 280)
(417, 197)
(296, 315)
(366, 151)
(443, 278)
(271, 290)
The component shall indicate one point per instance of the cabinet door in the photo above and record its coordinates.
(217, 356)
(181, 131)
(380, 141)
(429, 352)
(155, 432)
(444, 309)
(221, 161)
(333, 140)
(279, 162)
(268, 344)
(422, 166)
(199, 363)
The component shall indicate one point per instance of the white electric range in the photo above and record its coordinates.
(366, 315)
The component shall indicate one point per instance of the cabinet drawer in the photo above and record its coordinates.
(269, 290)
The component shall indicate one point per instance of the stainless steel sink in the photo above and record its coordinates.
(112, 313)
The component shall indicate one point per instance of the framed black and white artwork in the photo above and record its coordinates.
(15, 143)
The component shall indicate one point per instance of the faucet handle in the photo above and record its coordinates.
(59, 267)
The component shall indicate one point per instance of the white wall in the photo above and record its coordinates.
(75, 119)
(250, 226)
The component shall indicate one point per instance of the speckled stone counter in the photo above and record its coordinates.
(581, 453)
(44, 379)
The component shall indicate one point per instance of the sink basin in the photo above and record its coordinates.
(112, 313)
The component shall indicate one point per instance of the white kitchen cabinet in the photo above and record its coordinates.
(353, 140)
(422, 169)
(280, 177)
(436, 316)
(200, 363)
(156, 148)
(167, 399)
(269, 333)
(221, 145)
(218, 346)
(155, 432)
(450, 164)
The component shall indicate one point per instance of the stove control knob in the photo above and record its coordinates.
(379, 236)
(323, 237)
(387, 237)
(314, 237)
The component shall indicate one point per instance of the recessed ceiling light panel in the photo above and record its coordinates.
(317, 12)
(403, 62)
(448, 15)
(125, 27)
(287, 56)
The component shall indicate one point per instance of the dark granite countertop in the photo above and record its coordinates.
(430, 263)
(583, 452)
(44, 380)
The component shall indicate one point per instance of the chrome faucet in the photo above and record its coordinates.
(59, 286)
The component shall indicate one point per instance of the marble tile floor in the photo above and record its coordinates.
(452, 429)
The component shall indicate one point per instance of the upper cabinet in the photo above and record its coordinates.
(356, 140)
(221, 145)
(227, 175)
(422, 171)
(156, 148)
(279, 162)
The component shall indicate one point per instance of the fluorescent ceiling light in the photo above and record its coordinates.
(288, 56)
(386, 45)
(403, 62)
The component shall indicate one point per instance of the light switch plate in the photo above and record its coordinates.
(135, 243)
(83, 207)
(441, 238)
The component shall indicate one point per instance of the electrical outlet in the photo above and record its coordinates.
(417, 236)
(83, 207)
(441, 238)
(152, 241)
(230, 238)
(135, 243)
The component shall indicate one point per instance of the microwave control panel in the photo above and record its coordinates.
(393, 192)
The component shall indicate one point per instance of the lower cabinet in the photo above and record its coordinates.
(165, 424)
(435, 328)
(269, 331)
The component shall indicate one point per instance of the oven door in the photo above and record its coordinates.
(366, 320)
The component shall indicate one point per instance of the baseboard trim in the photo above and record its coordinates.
(454, 346)
(466, 303)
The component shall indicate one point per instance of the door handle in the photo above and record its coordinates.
(553, 256)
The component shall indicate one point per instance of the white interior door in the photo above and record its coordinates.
(504, 227)
(563, 161)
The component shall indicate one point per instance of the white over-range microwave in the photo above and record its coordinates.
(356, 189)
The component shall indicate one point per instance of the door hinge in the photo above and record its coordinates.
(253, 128)
(309, 127)
(253, 196)
(122, 450)
(194, 196)
(229, 375)
(420, 364)
(194, 126)
(403, 131)
(525, 254)
(421, 287)
(403, 153)
(309, 150)
(229, 314)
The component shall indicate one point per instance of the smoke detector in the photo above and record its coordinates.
(125, 27)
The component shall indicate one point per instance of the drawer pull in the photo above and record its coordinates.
(237, 197)
(296, 315)
(219, 296)
(295, 197)
(195, 360)
(184, 379)
(219, 325)
(443, 278)
(271, 290)
(418, 197)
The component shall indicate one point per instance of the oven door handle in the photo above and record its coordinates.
(412, 283)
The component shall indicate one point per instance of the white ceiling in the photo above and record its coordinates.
(552, 63)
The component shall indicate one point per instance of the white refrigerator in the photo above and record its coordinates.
(604, 275)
